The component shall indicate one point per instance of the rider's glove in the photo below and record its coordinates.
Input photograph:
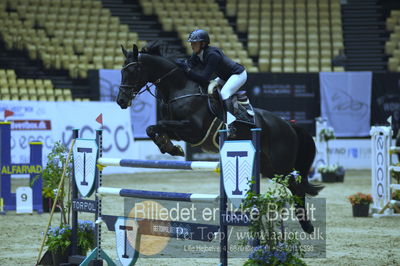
(186, 68)
(184, 65)
(211, 87)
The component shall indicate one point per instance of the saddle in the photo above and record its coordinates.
(244, 113)
(243, 110)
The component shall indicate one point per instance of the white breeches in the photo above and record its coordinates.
(232, 85)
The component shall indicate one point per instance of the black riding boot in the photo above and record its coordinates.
(228, 107)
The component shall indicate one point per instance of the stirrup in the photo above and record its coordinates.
(232, 131)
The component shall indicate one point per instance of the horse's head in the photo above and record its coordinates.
(132, 80)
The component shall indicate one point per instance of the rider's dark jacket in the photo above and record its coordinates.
(214, 62)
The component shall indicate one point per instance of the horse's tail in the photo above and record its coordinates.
(305, 158)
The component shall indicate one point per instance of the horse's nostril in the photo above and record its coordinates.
(122, 104)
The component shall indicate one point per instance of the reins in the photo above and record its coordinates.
(156, 83)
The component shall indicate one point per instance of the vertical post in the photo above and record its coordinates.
(36, 149)
(223, 228)
(256, 169)
(5, 159)
(256, 136)
(98, 183)
(9, 198)
(388, 180)
(74, 190)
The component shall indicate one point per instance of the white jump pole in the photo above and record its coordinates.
(321, 157)
(160, 195)
(177, 165)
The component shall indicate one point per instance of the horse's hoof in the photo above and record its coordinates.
(162, 149)
(177, 151)
(307, 227)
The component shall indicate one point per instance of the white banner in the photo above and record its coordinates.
(350, 153)
(346, 102)
(50, 122)
(143, 111)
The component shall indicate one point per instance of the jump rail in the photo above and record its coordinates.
(177, 165)
(145, 194)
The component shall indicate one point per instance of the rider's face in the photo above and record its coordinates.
(196, 47)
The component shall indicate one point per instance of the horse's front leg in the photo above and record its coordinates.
(160, 137)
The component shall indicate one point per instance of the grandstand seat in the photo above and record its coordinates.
(393, 64)
(33, 98)
(49, 91)
(4, 91)
(31, 91)
(50, 98)
(13, 91)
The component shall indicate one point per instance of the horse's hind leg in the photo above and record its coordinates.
(300, 206)
(162, 140)
(304, 159)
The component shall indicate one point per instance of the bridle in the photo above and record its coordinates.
(132, 91)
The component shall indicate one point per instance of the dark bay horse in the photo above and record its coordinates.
(284, 146)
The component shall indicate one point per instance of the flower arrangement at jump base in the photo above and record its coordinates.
(56, 186)
(360, 203)
(330, 173)
(272, 250)
(327, 134)
(51, 176)
(59, 239)
(281, 255)
(396, 175)
(396, 196)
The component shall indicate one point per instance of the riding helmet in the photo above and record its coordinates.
(199, 36)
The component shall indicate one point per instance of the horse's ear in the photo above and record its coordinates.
(124, 51)
(135, 51)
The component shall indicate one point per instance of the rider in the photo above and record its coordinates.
(230, 74)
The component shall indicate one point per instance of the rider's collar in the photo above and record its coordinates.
(200, 55)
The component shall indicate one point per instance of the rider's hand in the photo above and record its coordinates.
(213, 84)
(183, 64)
(186, 68)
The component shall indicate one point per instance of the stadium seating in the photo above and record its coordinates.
(290, 35)
(392, 47)
(13, 88)
(185, 16)
(75, 35)
(282, 35)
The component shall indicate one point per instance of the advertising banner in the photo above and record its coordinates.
(346, 102)
(143, 111)
(386, 99)
(290, 96)
(50, 122)
(350, 153)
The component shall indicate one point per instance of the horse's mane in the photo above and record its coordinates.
(161, 48)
